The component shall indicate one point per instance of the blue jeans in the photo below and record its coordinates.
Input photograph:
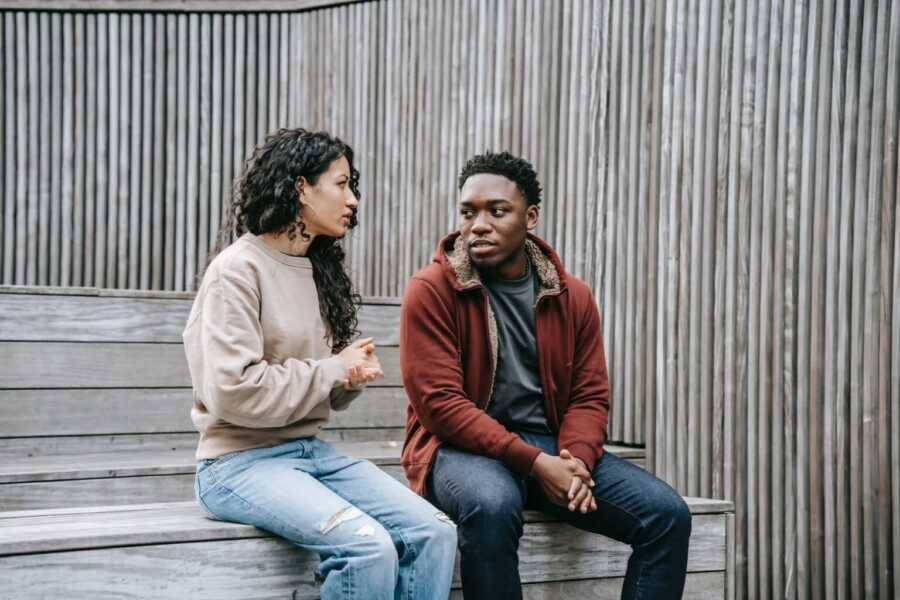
(376, 538)
(486, 500)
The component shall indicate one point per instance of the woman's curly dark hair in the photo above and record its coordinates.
(265, 200)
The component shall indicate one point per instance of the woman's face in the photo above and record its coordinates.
(329, 204)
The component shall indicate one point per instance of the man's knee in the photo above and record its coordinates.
(671, 519)
(491, 518)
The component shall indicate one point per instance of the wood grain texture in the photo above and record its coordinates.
(25, 413)
(60, 530)
(166, 474)
(103, 318)
(30, 365)
(288, 573)
(722, 174)
(157, 459)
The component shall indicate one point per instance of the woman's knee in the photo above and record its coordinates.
(374, 543)
(440, 536)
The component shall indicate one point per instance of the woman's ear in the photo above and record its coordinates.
(300, 185)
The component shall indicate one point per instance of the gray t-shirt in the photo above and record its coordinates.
(517, 400)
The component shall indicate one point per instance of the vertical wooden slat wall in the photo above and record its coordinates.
(724, 174)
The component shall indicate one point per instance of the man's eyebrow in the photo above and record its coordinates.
(489, 201)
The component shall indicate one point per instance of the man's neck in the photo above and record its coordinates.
(514, 268)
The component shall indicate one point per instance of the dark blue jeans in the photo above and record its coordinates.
(486, 500)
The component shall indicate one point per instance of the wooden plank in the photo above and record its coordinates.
(70, 121)
(19, 448)
(117, 95)
(861, 332)
(288, 572)
(25, 365)
(25, 413)
(55, 126)
(830, 440)
(221, 101)
(114, 491)
(121, 484)
(182, 107)
(142, 225)
(93, 291)
(153, 486)
(191, 161)
(131, 232)
(168, 249)
(697, 586)
(203, 198)
(77, 493)
(9, 145)
(757, 566)
(41, 105)
(170, 6)
(30, 220)
(59, 531)
(166, 460)
(18, 70)
(874, 409)
(147, 463)
(124, 166)
(891, 189)
(42, 317)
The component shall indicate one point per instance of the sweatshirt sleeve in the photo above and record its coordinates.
(341, 397)
(239, 385)
(433, 378)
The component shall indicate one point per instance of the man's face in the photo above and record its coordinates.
(494, 220)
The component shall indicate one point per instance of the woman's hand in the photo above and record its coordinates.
(362, 363)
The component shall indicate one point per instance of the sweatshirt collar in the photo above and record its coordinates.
(300, 262)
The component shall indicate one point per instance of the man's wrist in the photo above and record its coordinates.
(537, 466)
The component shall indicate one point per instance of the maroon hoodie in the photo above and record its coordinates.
(448, 356)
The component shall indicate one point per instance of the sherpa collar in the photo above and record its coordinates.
(467, 275)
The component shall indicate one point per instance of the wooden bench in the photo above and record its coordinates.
(96, 466)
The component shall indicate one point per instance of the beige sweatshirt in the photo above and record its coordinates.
(261, 368)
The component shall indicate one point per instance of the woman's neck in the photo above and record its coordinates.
(284, 244)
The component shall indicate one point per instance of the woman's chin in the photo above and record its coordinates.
(338, 231)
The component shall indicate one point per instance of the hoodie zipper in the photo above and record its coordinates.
(487, 320)
(542, 368)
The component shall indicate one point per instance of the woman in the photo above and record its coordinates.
(270, 350)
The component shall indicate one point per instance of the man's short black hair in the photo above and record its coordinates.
(517, 170)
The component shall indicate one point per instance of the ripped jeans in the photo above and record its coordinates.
(375, 538)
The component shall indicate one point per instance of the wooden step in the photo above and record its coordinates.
(171, 550)
(141, 475)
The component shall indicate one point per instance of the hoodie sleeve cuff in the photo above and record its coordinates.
(586, 453)
(520, 456)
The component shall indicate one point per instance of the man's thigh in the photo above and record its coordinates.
(462, 483)
(628, 498)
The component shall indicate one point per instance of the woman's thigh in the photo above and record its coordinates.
(375, 492)
(278, 495)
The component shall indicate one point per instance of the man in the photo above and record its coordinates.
(503, 364)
